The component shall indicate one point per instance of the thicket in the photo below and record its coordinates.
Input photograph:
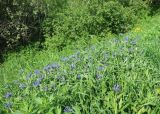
(62, 22)
(82, 19)
(20, 22)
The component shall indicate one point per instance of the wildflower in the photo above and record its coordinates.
(54, 66)
(22, 86)
(116, 88)
(73, 66)
(65, 59)
(8, 95)
(98, 76)
(36, 83)
(67, 109)
(37, 72)
(47, 68)
(79, 76)
(101, 68)
(58, 78)
(126, 39)
(8, 105)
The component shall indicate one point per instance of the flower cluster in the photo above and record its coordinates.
(81, 74)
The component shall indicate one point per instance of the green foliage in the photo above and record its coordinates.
(139, 7)
(119, 75)
(20, 21)
(115, 17)
(82, 19)
(114, 76)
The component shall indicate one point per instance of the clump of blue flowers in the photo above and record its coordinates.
(8, 95)
(116, 88)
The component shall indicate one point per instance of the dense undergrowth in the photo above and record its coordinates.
(61, 22)
(118, 75)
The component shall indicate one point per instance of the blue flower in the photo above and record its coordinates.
(61, 78)
(54, 66)
(101, 68)
(8, 95)
(68, 109)
(65, 59)
(8, 105)
(58, 78)
(73, 66)
(36, 83)
(79, 76)
(116, 88)
(47, 68)
(126, 39)
(22, 86)
(37, 72)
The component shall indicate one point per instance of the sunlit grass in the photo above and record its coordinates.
(118, 75)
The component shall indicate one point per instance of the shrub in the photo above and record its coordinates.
(82, 19)
(20, 21)
(115, 17)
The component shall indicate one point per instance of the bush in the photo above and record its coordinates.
(115, 17)
(20, 21)
(82, 19)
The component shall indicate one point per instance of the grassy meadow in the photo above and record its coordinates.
(110, 74)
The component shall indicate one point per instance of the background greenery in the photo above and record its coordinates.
(61, 22)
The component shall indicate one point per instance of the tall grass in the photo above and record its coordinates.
(114, 76)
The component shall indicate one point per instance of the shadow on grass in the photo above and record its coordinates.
(155, 7)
